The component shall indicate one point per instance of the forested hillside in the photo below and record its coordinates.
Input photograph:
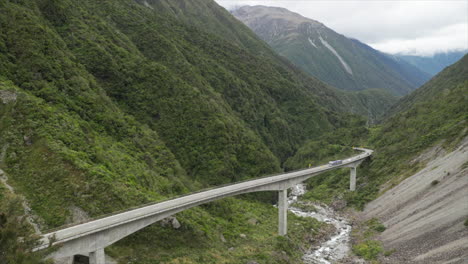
(434, 114)
(107, 105)
(331, 57)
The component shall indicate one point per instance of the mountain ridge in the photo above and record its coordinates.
(342, 62)
(435, 63)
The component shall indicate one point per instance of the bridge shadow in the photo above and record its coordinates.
(80, 259)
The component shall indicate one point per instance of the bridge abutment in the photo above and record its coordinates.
(283, 212)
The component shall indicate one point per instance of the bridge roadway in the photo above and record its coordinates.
(90, 238)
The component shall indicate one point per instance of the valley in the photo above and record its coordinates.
(110, 106)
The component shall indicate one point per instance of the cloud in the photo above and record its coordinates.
(446, 39)
(410, 27)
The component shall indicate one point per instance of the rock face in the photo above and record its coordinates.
(7, 96)
(171, 221)
(77, 215)
(425, 221)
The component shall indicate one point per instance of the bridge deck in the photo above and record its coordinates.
(188, 201)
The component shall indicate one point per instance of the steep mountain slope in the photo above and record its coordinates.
(418, 169)
(433, 114)
(342, 62)
(435, 63)
(426, 214)
(107, 105)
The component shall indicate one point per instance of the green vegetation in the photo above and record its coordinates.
(369, 250)
(435, 114)
(200, 239)
(365, 244)
(15, 240)
(466, 222)
(389, 252)
(331, 146)
(109, 105)
(376, 225)
(304, 42)
(435, 182)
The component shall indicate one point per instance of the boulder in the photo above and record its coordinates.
(252, 221)
(170, 221)
(175, 223)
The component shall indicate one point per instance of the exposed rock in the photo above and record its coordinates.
(77, 215)
(3, 153)
(252, 262)
(231, 249)
(223, 239)
(243, 236)
(30, 217)
(253, 221)
(175, 223)
(27, 140)
(7, 96)
(170, 221)
(338, 205)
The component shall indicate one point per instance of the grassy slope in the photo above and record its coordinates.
(435, 113)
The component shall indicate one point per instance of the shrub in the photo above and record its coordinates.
(369, 249)
(376, 225)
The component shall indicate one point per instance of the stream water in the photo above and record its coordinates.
(337, 247)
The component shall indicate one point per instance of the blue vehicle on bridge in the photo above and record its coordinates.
(335, 163)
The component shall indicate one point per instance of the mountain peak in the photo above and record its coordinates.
(252, 14)
(331, 57)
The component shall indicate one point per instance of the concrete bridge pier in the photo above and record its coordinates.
(283, 212)
(352, 179)
(97, 257)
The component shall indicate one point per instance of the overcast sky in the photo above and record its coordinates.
(419, 27)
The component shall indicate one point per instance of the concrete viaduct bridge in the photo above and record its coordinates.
(90, 238)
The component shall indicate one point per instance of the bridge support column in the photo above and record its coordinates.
(352, 179)
(283, 212)
(97, 257)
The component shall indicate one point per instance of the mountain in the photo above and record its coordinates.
(435, 63)
(421, 167)
(331, 57)
(107, 105)
(416, 180)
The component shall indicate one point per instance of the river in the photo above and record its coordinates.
(337, 247)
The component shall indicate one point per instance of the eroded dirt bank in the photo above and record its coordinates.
(425, 213)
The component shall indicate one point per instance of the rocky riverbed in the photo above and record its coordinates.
(335, 248)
